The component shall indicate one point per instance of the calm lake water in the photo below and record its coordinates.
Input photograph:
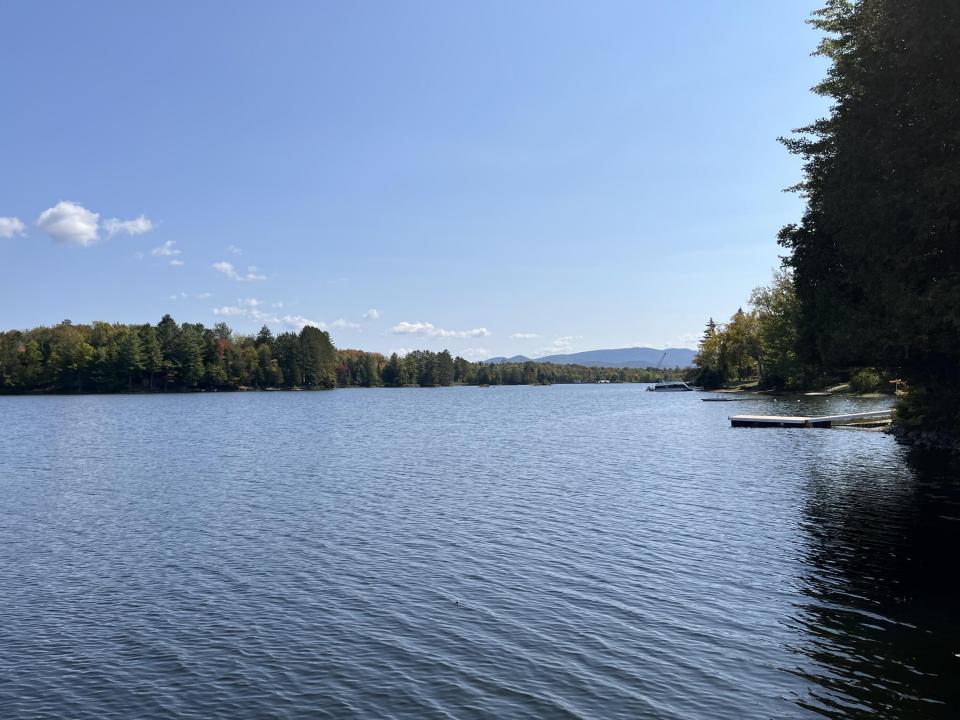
(523, 552)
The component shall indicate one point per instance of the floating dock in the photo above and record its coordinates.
(792, 421)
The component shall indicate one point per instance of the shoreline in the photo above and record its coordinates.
(194, 391)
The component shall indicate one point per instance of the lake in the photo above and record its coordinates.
(514, 552)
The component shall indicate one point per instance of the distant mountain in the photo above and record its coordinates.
(636, 357)
(500, 360)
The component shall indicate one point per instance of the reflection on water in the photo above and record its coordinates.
(883, 589)
(564, 552)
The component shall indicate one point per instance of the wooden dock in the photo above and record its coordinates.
(793, 421)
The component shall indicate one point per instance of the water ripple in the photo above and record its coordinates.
(569, 552)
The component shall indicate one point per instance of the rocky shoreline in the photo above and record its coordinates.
(926, 439)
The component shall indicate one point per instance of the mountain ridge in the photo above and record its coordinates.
(632, 357)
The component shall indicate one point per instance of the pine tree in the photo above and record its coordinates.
(152, 354)
(444, 368)
(318, 356)
(130, 357)
(264, 337)
(393, 371)
(876, 258)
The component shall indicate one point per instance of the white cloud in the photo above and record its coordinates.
(166, 250)
(137, 226)
(178, 296)
(559, 346)
(253, 273)
(298, 322)
(204, 295)
(248, 308)
(230, 311)
(475, 354)
(70, 222)
(687, 340)
(235, 250)
(371, 314)
(226, 268)
(523, 336)
(244, 307)
(177, 263)
(402, 351)
(426, 329)
(277, 305)
(11, 226)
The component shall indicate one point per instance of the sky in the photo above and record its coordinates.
(493, 178)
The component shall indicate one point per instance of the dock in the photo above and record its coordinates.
(794, 421)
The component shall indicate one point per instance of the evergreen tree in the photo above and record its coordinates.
(444, 368)
(152, 354)
(393, 372)
(371, 366)
(189, 355)
(130, 356)
(265, 337)
(876, 258)
(318, 358)
(288, 355)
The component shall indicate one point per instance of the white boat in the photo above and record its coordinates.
(670, 386)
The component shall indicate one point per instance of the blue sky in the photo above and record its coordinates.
(495, 178)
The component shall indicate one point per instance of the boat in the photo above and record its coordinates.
(670, 386)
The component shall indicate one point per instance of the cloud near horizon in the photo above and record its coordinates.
(425, 329)
(523, 336)
(11, 226)
(245, 307)
(298, 322)
(474, 354)
(371, 314)
(253, 273)
(560, 346)
(249, 309)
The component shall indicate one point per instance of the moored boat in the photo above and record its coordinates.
(670, 386)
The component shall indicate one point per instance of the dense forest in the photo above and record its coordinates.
(871, 284)
(760, 345)
(105, 357)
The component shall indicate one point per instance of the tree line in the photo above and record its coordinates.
(870, 288)
(762, 345)
(104, 357)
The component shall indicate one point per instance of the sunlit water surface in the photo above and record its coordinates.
(525, 552)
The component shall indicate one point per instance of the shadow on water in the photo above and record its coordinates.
(880, 637)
